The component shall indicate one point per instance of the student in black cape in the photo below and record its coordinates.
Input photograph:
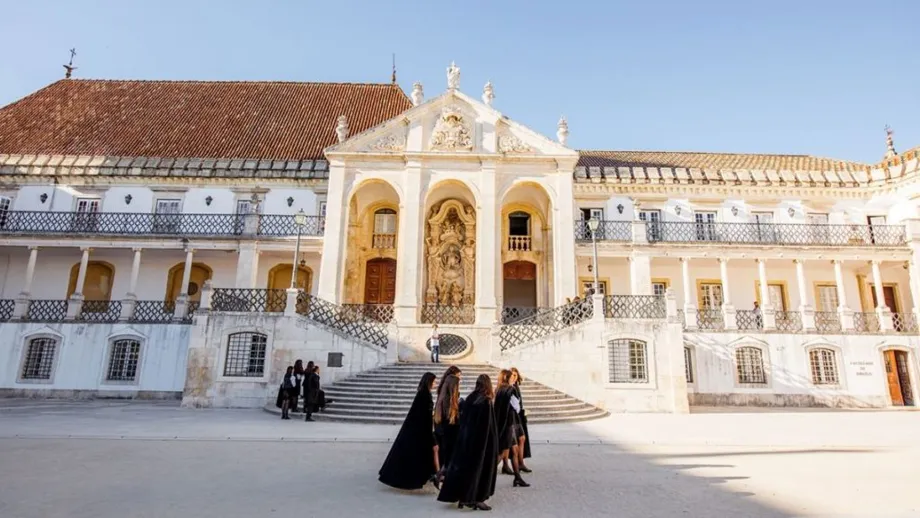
(311, 393)
(447, 419)
(470, 475)
(299, 375)
(524, 438)
(412, 461)
(285, 392)
(507, 426)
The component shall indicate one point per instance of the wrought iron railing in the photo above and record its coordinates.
(709, 320)
(544, 323)
(776, 233)
(512, 314)
(442, 314)
(827, 321)
(100, 311)
(245, 300)
(355, 324)
(6, 309)
(41, 310)
(866, 322)
(748, 320)
(283, 225)
(373, 312)
(193, 306)
(634, 306)
(904, 323)
(520, 243)
(154, 311)
(606, 231)
(788, 321)
(383, 241)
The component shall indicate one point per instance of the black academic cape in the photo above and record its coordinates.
(446, 435)
(311, 390)
(470, 476)
(410, 463)
(522, 418)
(505, 418)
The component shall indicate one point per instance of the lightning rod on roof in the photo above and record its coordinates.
(393, 76)
(69, 66)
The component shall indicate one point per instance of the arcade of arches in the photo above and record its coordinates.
(97, 285)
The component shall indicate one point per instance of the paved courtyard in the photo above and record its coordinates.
(102, 459)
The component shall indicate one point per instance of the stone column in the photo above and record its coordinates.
(846, 314)
(182, 301)
(130, 301)
(806, 308)
(21, 309)
(488, 246)
(728, 310)
(689, 300)
(247, 266)
(767, 311)
(881, 309)
(332, 263)
(75, 304)
(410, 254)
(640, 275)
(565, 281)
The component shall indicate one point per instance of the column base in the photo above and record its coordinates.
(690, 323)
(181, 308)
(21, 307)
(74, 307)
(885, 319)
(598, 306)
(807, 314)
(729, 318)
(127, 307)
(768, 316)
(486, 316)
(846, 318)
(290, 308)
(405, 315)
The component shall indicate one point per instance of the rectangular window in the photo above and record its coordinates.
(168, 206)
(777, 293)
(823, 367)
(5, 203)
(749, 364)
(627, 361)
(659, 288)
(587, 214)
(827, 298)
(39, 360)
(588, 285)
(123, 360)
(322, 209)
(705, 226)
(816, 218)
(166, 217)
(245, 355)
(688, 364)
(88, 205)
(87, 217)
(652, 219)
(710, 295)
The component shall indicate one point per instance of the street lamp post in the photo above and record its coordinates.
(593, 223)
(300, 219)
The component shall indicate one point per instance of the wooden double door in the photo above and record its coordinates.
(897, 369)
(380, 281)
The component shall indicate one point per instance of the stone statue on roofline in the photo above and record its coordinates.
(453, 76)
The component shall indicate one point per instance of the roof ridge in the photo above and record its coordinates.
(722, 153)
(226, 81)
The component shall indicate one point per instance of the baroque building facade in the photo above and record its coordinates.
(191, 239)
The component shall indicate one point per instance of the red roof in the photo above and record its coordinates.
(192, 119)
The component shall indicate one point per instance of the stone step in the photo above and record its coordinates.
(328, 415)
(383, 383)
(399, 415)
(403, 405)
(396, 390)
(380, 399)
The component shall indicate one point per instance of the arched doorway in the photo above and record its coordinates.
(897, 370)
(380, 281)
(519, 284)
(98, 282)
(279, 277)
(199, 274)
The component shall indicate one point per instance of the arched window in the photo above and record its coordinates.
(749, 364)
(98, 282)
(823, 366)
(38, 363)
(628, 361)
(124, 357)
(245, 355)
(519, 224)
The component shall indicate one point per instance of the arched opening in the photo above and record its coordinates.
(372, 236)
(527, 237)
(897, 372)
(519, 284)
(98, 282)
(279, 277)
(199, 274)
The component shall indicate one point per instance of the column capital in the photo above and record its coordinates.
(798, 261)
(837, 261)
(33, 247)
(86, 249)
(137, 249)
(723, 260)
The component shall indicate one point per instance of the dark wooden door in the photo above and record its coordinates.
(894, 385)
(907, 392)
(890, 300)
(380, 282)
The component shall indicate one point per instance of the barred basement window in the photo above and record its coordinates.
(123, 360)
(688, 364)
(628, 361)
(823, 366)
(749, 363)
(39, 360)
(245, 355)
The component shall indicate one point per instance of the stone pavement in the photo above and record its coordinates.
(108, 459)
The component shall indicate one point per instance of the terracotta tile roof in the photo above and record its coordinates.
(688, 160)
(192, 119)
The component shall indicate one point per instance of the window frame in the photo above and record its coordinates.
(834, 363)
(603, 285)
(109, 357)
(690, 364)
(224, 351)
(8, 201)
(385, 211)
(613, 376)
(24, 354)
(764, 368)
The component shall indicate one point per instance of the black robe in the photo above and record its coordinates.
(505, 418)
(410, 463)
(446, 435)
(522, 419)
(470, 476)
(313, 395)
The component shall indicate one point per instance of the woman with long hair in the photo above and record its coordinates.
(506, 423)
(523, 433)
(410, 465)
(285, 391)
(299, 374)
(470, 476)
(447, 419)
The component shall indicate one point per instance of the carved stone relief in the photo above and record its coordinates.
(508, 143)
(389, 143)
(450, 254)
(451, 132)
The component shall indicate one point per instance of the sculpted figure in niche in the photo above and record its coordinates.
(450, 255)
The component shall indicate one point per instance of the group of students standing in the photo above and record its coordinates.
(298, 378)
(457, 444)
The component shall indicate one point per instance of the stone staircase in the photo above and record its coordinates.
(383, 395)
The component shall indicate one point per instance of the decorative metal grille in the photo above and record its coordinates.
(192, 307)
(449, 345)
(512, 314)
(283, 225)
(788, 321)
(245, 300)
(823, 366)
(709, 320)
(355, 324)
(154, 311)
(904, 322)
(866, 323)
(627, 361)
(245, 355)
(437, 314)
(39, 361)
(777, 233)
(827, 321)
(748, 320)
(384, 241)
(373, 312)
(100, 311)
(123, 360)
(543, 323)
(634, 306)
(6, 309)
(121, 223)
(749, 363)
(688, 364)
(682, 318)
(606, 231)
(47, 310)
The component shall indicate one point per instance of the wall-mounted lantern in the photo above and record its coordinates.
(791, 212)
(208, 200)
(677, 210)
(128, 199)
(43, 197)
(290, 201)
(734, 210)
(620, 208)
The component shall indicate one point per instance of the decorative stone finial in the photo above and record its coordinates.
(418, 94)
(488, 93)
(562, 130)
(889, 140)
(341, 128)
(453, 76)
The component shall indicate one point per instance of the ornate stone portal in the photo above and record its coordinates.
(450, 253)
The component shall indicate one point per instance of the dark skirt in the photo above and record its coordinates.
(446, 436)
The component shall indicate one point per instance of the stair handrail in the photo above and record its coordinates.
(544, 322)
(353, 324)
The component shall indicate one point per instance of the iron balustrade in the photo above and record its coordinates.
(449, 344)
(904, 323)
(606, 231)
(634, 306)
(42, 310)
(245, 300)
(6, 309)
(544, 323)
(866, 322)
(520, 244)
(682, 318)
(355, 324)
(512, 314)
(827, 322)
(383, 241)
(438, 314)
(709, 320)
(100, 311)
(154, 311)
(788, 321)
(775, 233)
(374, 312)
(190, 310)
(282, 225)
(748, 320)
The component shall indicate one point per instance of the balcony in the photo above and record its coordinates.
(155, 225)
(606, 231)
(520, 243)
(787, 234)
(384, 241)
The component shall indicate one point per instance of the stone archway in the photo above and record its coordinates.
(531, 242)
(200, 273)
(371, 236)
(98, 282)
(279, 277)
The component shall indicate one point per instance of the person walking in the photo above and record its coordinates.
(447, 420)
(507, 426)
(413, 461)
(435, 343)
(299, 375)
(523, 433)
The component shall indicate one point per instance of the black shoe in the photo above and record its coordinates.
(308, 418)
(519, 482)
(435, 481)
(525, 469)
(507, 471)
(481, 506)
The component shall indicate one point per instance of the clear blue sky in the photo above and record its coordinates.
(819, 77)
